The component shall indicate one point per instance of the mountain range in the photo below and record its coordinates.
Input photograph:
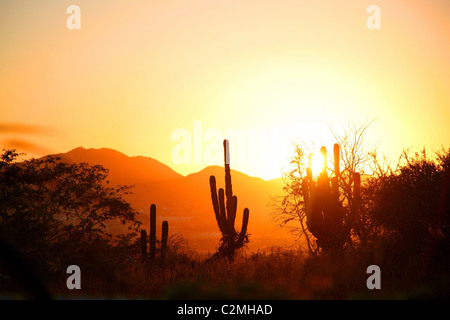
(185, 201)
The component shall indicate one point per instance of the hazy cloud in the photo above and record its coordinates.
(22, 145)
(24, 129)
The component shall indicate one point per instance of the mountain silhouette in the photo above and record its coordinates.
(122, 168)
(185, 201)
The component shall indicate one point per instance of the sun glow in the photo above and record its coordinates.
(317, 163)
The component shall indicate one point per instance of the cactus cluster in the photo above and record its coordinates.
(225, 206)
(149, 257)
(326, 218)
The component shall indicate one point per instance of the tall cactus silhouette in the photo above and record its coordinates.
(152, 234)
(164, 236)
(325, 215)
(225, 206)
(150, 256)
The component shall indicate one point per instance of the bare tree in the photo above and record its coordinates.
(290, 208)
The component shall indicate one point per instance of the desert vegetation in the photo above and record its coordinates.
(54, 214)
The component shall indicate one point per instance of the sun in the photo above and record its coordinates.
(317, 162)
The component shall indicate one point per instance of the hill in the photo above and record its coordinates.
(122, 168)
(186, 201)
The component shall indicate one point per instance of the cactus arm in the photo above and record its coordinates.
(336, 154)
(230, 202)
(232, 212)
(306, 198)
(243, 233)
(323, 151)
(152, 231)
(215, 201)
(223, 213)
(310, 158)
(309, 173)
(164, 237)
(228, 186)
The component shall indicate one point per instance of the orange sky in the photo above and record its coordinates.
(139, 72)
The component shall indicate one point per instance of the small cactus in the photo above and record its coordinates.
(152, 232)
(150, 256)
(164, 237)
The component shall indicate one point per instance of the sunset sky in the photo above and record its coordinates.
(137, 73)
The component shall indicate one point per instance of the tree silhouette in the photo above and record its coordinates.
(54, 213)
(412, 203)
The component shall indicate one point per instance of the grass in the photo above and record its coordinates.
(278, 274)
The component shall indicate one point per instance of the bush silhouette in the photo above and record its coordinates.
(56, 214)
(412, 204)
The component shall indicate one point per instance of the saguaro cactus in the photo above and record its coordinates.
(225, 206)
(164, 237)
(152, 232)
(150, 256)
(324, 211)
